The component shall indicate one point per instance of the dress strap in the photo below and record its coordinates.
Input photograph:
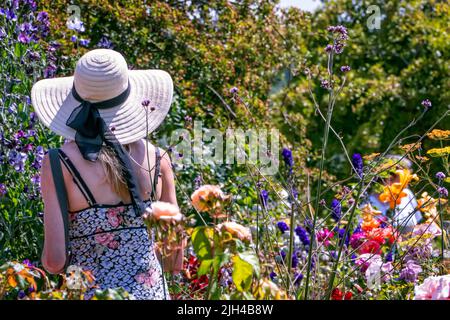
(157, 172)
(77, 178)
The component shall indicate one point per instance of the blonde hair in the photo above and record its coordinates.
(114, 171)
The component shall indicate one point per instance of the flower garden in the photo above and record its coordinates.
(358, 209)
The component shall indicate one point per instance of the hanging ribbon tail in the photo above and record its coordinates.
(86, 120)
(130, 177)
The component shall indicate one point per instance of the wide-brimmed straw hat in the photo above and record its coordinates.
(101, 75)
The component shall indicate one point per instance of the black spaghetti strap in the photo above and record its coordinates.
(157, 172)
(77, 178)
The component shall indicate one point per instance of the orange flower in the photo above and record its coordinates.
(368, 214)
(208, 197)
(236, 230)
(394, 193)
(164, 211)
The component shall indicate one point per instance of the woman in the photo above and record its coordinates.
(110, 172)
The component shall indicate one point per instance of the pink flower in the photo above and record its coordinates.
(103, 238)
(433, 288)
(366, 259)
(324, 236)
(114, 217)
(357, 239)
(113, 244)
(148, 279)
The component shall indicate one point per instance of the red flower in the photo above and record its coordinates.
(370, 246)
(337, 294)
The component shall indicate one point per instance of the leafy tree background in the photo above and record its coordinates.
(211, 46)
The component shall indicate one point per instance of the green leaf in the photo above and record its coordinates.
(201, 242)
(251, 258)
(242, 274)
(205, 266)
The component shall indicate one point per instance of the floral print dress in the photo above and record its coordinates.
(113, 243)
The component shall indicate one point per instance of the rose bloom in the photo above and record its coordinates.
(206, 197)
(164, 211)
(236, 230)
(370, 246)
(433, 288)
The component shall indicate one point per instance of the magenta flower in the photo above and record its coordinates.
(325, 236)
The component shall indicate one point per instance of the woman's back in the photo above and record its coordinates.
(96, 179)
(106, 235)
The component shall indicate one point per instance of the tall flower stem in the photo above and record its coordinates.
(318, 192)
(341, 245)
(331, 101)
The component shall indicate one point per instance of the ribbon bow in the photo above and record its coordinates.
(90, 135)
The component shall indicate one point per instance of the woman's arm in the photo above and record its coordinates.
(54, 252)
(174, 260)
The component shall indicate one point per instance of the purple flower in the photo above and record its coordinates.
(389, 257)
(27, 262)
(35, 56)
(294, 260)
(74, 38)
(303, 235)
(21, 294)
(440, 175)
(2, 189)
(36, 180)
(38, 157)
(145, 103)
(264, 195)
(10, 15)
(272, 275)
(443, 192)
(76, 25)
(17, 160)
(42, 16)
(325, 84)
(329, 48)
(105, 43)
(410, 272)
(50, 71)
(298, 277)
(336, 210)
(287, 157)
(23, 38)
(282, 226)
(84, 42)
(234, 90)
(345, 69)
(341, 233)
(426, 103)
(358, 164)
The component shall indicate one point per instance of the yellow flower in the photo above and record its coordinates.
(394, 193)
(371, 156)
(439, 152)
(411, 147)
(267, 290)
(428, 206)
(437, 134)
